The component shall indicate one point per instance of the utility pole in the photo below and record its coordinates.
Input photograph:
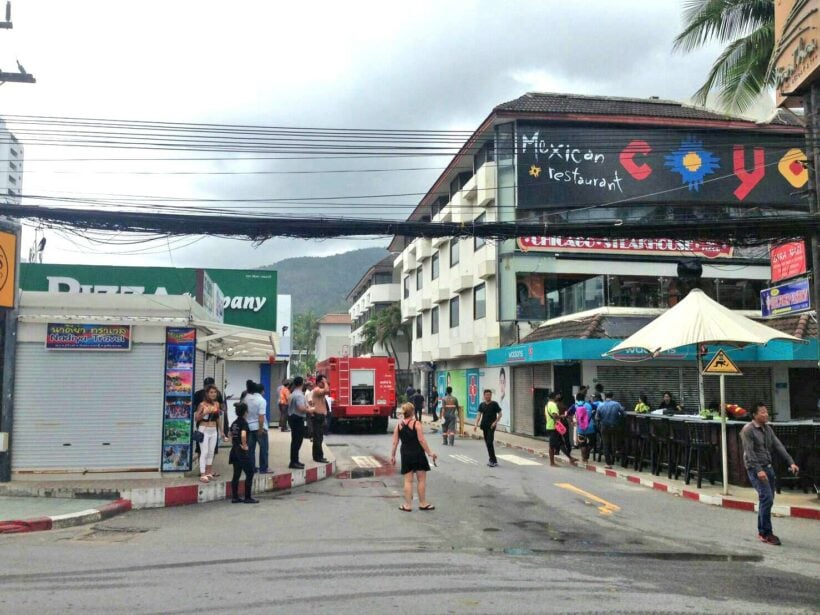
(812, 111)
(8, 314)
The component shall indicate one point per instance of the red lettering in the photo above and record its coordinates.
(748, 180)
(627, 158)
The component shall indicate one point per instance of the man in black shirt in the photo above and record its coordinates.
(489, 413)
(418, 403)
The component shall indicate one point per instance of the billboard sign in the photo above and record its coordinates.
(70, 336)
(178, 410)
(788, 260)
(561, 167)
(789, 298)
(248, 295)
(8, 269)
(597, 245)
(796, 53)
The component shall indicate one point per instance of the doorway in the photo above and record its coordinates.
(539, 419)
(804, 392)
(565, 377)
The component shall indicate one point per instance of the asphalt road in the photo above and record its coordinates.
(520, 538)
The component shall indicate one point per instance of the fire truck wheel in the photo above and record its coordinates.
(380, 424)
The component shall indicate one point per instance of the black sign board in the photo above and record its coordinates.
(576, 167)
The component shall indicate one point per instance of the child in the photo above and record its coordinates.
(240, 456)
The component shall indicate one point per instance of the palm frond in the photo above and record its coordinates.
(721, 20)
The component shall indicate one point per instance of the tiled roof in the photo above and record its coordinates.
(803, 326)
(547, 102)
(335, 319)
(583, 328)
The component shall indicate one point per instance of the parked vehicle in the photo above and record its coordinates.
(363, 391)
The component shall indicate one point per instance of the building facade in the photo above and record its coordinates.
(550, 157)
(333, 339)
(11, 166)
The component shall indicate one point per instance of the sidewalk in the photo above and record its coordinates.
(788, 503)
(64, 499)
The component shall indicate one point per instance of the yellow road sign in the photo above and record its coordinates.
(722, 365)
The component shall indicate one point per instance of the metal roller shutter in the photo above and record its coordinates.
(522, 400)
(199, 369)
(629, 381)
(88, 410)
(542, 376)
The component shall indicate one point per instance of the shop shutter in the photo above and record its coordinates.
(542, 376)
(522, 420)
(629, 381)
(199, 369)
(88, 410)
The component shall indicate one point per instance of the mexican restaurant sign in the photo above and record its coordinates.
(674, 247)
(573, 166)
(61, 336)
(796, 53)
(788, 260)
(249, 295)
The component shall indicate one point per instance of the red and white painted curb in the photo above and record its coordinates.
(723, 501)
(161, 497)
(56, 522)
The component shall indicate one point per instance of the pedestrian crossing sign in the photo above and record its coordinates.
(722, 365)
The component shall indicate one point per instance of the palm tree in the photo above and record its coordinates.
(744, 69)
(388, 329)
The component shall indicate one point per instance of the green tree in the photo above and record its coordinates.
(744, 69)
(305, 333)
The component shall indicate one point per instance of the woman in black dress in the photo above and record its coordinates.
(413, 458)
(240, 456)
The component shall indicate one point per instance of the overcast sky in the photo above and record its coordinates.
(421, 65)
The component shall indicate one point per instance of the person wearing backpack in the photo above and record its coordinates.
(586, 426)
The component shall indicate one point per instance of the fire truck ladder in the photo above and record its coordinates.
(344, 380)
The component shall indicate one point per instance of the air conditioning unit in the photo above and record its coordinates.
(486, 269)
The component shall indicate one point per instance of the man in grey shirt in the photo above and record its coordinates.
(297, 411)
(759, 444)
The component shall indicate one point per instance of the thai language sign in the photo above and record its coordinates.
(788, 298)
(788, 260)
(625, 246)
(178, 413)
(62, 336)
(574, 166)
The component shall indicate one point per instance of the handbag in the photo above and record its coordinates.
(560, 428)
(198, 436)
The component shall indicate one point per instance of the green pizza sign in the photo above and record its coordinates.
(249, 294)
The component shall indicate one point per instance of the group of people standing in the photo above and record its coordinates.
(601, 416)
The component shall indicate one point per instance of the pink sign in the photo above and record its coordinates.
(625, 246)
(788, 260)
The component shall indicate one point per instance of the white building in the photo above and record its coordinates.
(11, 166)
(378, 289)
(333, 339)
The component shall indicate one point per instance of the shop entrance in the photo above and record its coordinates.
(566, 376)
(539, 419)
(804, 392)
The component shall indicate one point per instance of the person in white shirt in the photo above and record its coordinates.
(257, 424)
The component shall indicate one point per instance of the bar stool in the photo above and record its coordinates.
(629, 441)
(644, 444)
(679, 448)
(702, 448)
(661, 448)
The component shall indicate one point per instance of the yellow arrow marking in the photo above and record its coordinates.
(605, 508)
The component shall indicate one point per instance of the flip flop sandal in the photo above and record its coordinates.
(428, 507)
(204, 479)
(403, 509)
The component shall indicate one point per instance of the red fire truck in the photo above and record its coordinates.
(363, 390)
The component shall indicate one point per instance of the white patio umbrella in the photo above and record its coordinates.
(702, 321)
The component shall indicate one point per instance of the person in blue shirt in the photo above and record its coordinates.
(610, 415)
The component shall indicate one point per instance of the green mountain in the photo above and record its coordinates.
(320, 283)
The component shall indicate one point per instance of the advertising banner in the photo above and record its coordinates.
(495, 379)
(788, 260)
(789, 298)
(595, 245)
(559, 167)
(62, 336)
(178, 411)
(8, 269)
(473, 393)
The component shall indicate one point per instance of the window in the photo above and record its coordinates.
(479, 242)
(479, 301)
(434, 266)
(383, 278)
(406, 287)
(454, 309)
(418, 277)
(418, 326)
(454, 252)
(434, 320)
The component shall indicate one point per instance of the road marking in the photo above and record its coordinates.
(465, 459)
(519, 461)
(606, 508)
(366, 462)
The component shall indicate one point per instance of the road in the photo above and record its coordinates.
(520, 538)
